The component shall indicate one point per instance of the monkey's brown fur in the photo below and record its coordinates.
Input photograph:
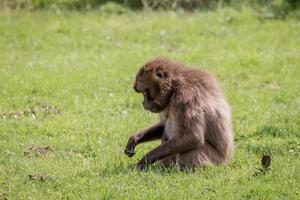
(195, 120)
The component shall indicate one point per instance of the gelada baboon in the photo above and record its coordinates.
(195, 121)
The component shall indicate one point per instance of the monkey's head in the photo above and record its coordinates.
(154, 81)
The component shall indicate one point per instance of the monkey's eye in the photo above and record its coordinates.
(159, 74)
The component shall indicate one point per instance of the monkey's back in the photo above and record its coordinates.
(203, 94)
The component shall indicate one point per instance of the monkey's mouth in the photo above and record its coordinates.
(149, 103)
(147, 96)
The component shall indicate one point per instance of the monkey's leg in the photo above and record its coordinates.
(202, 156)
(178, 144)
(154, 132)
(170, 160)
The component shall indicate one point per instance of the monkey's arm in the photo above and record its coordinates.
(173, 146)
(190, 120)
(154, 132)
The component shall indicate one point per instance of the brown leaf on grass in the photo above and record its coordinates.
(265, 162)
(38, 150)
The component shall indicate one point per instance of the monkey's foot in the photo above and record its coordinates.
(141, 166)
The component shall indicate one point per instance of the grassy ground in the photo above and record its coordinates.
(66, 82)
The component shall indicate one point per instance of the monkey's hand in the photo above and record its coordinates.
(129, 150)
(142, 164)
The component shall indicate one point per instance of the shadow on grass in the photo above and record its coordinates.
(122, 169)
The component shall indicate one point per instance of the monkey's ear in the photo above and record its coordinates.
(159, 73)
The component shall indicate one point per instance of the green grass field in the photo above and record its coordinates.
(66, 82)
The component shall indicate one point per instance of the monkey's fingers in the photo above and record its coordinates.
(141, 166)
(129, 152)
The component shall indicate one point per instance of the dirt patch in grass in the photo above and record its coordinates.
(37, 150)
(38, 177)
(40, 109)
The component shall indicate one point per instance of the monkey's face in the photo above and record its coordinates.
(155, 85)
